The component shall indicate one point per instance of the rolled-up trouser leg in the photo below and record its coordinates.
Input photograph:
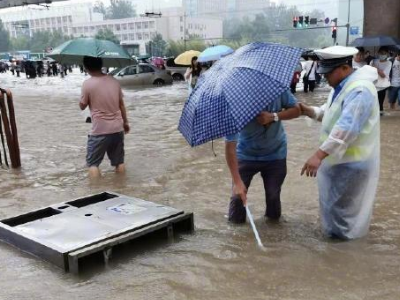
(237, 212)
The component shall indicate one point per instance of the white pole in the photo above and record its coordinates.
(253, 226)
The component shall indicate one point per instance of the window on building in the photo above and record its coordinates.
(124, 26)
(139, 36)
(65, 19)
(146, 36)
(65, 29)
(181, 19)
(131, 26)
(152, 25)
(58, 20)
(145, 25)
(138, 25)
(181, 28)
(110, 26)
(124, 37)
(131, 36)
(117, 27)
(70, 19)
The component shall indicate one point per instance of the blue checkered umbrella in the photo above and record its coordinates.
(236, 89)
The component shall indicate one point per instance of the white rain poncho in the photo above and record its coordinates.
(348, 177)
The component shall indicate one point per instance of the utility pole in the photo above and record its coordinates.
(348, 24)
(184, 29)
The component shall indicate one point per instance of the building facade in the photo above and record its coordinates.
(137, 32)
(382, 19)
(28, 20)
(224, 9)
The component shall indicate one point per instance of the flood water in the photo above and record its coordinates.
(217, 261)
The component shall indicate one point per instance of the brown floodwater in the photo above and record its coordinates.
(217, 261)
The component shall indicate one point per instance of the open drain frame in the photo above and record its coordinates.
(67, 232)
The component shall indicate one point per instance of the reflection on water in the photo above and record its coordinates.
(219, 260)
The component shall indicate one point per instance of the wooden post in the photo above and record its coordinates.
(10, 128)
(14, 132)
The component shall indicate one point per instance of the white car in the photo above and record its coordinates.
(141, 74)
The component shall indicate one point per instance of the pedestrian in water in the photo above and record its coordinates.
(48, 69)
(103, 95)
(296, 78)
(193, 73)
(309, 76)
(347, 161)
(54, 69)
(394, 90)
(383, 83)
(260, 147)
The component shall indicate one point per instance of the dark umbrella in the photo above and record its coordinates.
(73, 51)
(375, 41)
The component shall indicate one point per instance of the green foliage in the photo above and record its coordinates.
(157, 46)
(4, 38)
(39, 41)
(274, 25)
(99, 7)
(177, 47)
(107, 34)
(119, 9)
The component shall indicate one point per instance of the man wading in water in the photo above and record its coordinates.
(103, 95)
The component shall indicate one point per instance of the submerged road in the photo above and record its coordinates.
(220, 260)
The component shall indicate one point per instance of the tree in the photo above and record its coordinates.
(107, 34)
(157, 46)
(177, 47)
(39, 41)
(120, 9)
(99, 8)
(274, 24)
(5, 44)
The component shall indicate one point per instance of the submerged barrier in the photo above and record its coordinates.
(8, 131)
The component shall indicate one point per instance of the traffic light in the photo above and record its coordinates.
(306, 21)
(334, 32)
(301, 19)
(294, 22)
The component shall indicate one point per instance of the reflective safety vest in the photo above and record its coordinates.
(362, 148)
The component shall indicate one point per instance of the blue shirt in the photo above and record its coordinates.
(339, 88)
(356, 108)
(259, 143)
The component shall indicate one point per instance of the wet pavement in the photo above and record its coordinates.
(220, 260)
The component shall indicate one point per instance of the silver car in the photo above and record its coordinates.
(141, 74)
(177, 71)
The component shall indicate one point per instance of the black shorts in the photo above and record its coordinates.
(98, 145)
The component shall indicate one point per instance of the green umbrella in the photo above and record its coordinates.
(73, 51)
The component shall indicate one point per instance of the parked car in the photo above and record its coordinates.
(141, 74)
(177, 71)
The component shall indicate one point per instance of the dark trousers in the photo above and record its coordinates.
(381, 97)
(309, 85)
(293, 87)
(273, 174)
